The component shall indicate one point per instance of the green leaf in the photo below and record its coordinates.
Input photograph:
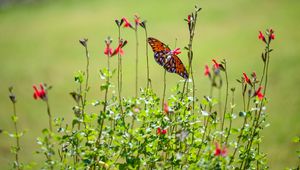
(104, 87)
(14, 118)
(79, 76)
(45, 131)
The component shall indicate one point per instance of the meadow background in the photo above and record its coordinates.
(39, 43)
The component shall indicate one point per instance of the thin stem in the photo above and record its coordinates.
(49, 116)
(17, 136)
(238, 142)
(147, 59)
(87, 77)
(105, 101)
(230, 122)
(120, 76)
(226, 100)
(49, 159)
(136, 61)
(164, 92)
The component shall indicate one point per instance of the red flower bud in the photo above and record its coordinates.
(206, 71)
(262, 37)
(246, 78)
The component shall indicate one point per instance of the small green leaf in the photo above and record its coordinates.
(104, 87)
(45, 131)
(14, 118)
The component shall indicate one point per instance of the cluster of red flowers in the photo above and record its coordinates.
(270, 34)
(161, 131)
(110, 52)
(127, 24)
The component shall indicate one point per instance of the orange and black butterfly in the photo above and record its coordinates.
(164, 57)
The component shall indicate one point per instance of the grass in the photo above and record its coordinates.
(39, 43)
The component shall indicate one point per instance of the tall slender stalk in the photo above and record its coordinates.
(226, 99)
(120, 73)
(164, 92)
(86, 77)
(17, 136)
(136, 59)
(231, 112)
(49, 116)
(147, 58)
(48, 156)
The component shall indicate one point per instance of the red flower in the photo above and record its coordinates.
(166, 108)
(206, 71)
(164, 131)
(161, 131)
(220, 151)
(137, 20)
(176, 51)
(272, 35)
(216, 64)
(126, 23)
(246, 78)
(261, 37)
(259, 94)
(39, 94)
(119, 49)
(108, 51)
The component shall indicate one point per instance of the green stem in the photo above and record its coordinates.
(164, 92)
(230, 122)
(120, 75)
(226, 100)
(136, 61)
(49, 116)
(105, 101)
(17, 136)
(147, 58)
(86, 78)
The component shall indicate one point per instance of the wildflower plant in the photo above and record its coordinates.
(180, 131)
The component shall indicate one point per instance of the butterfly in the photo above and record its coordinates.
(164, 57)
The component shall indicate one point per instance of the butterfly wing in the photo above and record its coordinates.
(160, 50)
(170, 62)
(175, 65)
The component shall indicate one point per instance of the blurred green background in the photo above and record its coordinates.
(39, 43)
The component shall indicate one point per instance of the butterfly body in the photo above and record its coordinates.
(164, 57)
